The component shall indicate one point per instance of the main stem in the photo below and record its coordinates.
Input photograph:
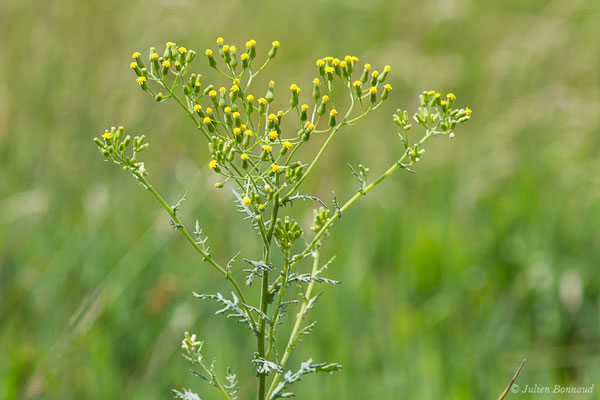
(299, 318)
(264, 293)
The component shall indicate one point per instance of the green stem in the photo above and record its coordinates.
(181, 228)
(264, 297)
(349, 203)
(299, 317)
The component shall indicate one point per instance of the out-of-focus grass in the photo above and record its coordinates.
(489, 255)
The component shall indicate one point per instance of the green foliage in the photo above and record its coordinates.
(488, 256)
(241, 148)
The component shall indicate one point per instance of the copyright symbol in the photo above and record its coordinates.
(514, 388)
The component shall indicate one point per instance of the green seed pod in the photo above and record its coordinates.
(234, 61)
(208, 89)
(262, 107)
(365, 75)
(270, 96)
(273, 51)
(222, 102)
(191, 54)
(322, 108)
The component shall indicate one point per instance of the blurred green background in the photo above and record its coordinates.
(451, 277)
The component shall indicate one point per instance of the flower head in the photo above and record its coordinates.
(212, 164)
(141, 80)
(275, 168)
(287, 145)
(247, 201)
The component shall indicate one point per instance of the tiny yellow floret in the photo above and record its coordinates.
(212, 93)
(357, 83)
(208, 52)
(235, 115)
(431, 92)
(250, 98)
(305, 107)
(387, 68)
(107, 135)
(311, 127)
(244, 156)
(267, 148)
(261, 207)
(388, 87)
(197, 84)
(212, 164)
(226, 48)
(373, 90)
(271, 83)
(136, 55)
(295, 88)
(177, 63)
(354, 58)
(262, 100)
(141, 80)
(182, 50)
(197, 107)
(367, 66)
(333, 113)
(316, 81)
(275, 168)
(169, 44)
(273, 135)
(248, 132)
(166, 64)
(133, 65)
(451, 96)
(275, 44)
(336, 62)
(287, 145)
(207, 120)
(220, 40)
(443, 102)
(325, 98)
(237, 131)
(247, 201)
(154, 57)
(244, 57)
(320, 63)
(233, 48)
(329, 70)
(235, 88)
(222, 89)
(348, 59)
(328, 58)
(437, 95)
(209, 110)
(343, 64)
(375, 74)
(227, 109)
(468, 111)
(272, 117)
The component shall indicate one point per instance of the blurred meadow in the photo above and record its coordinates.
(490, 254)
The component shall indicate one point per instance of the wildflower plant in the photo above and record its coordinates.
(252, 150)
